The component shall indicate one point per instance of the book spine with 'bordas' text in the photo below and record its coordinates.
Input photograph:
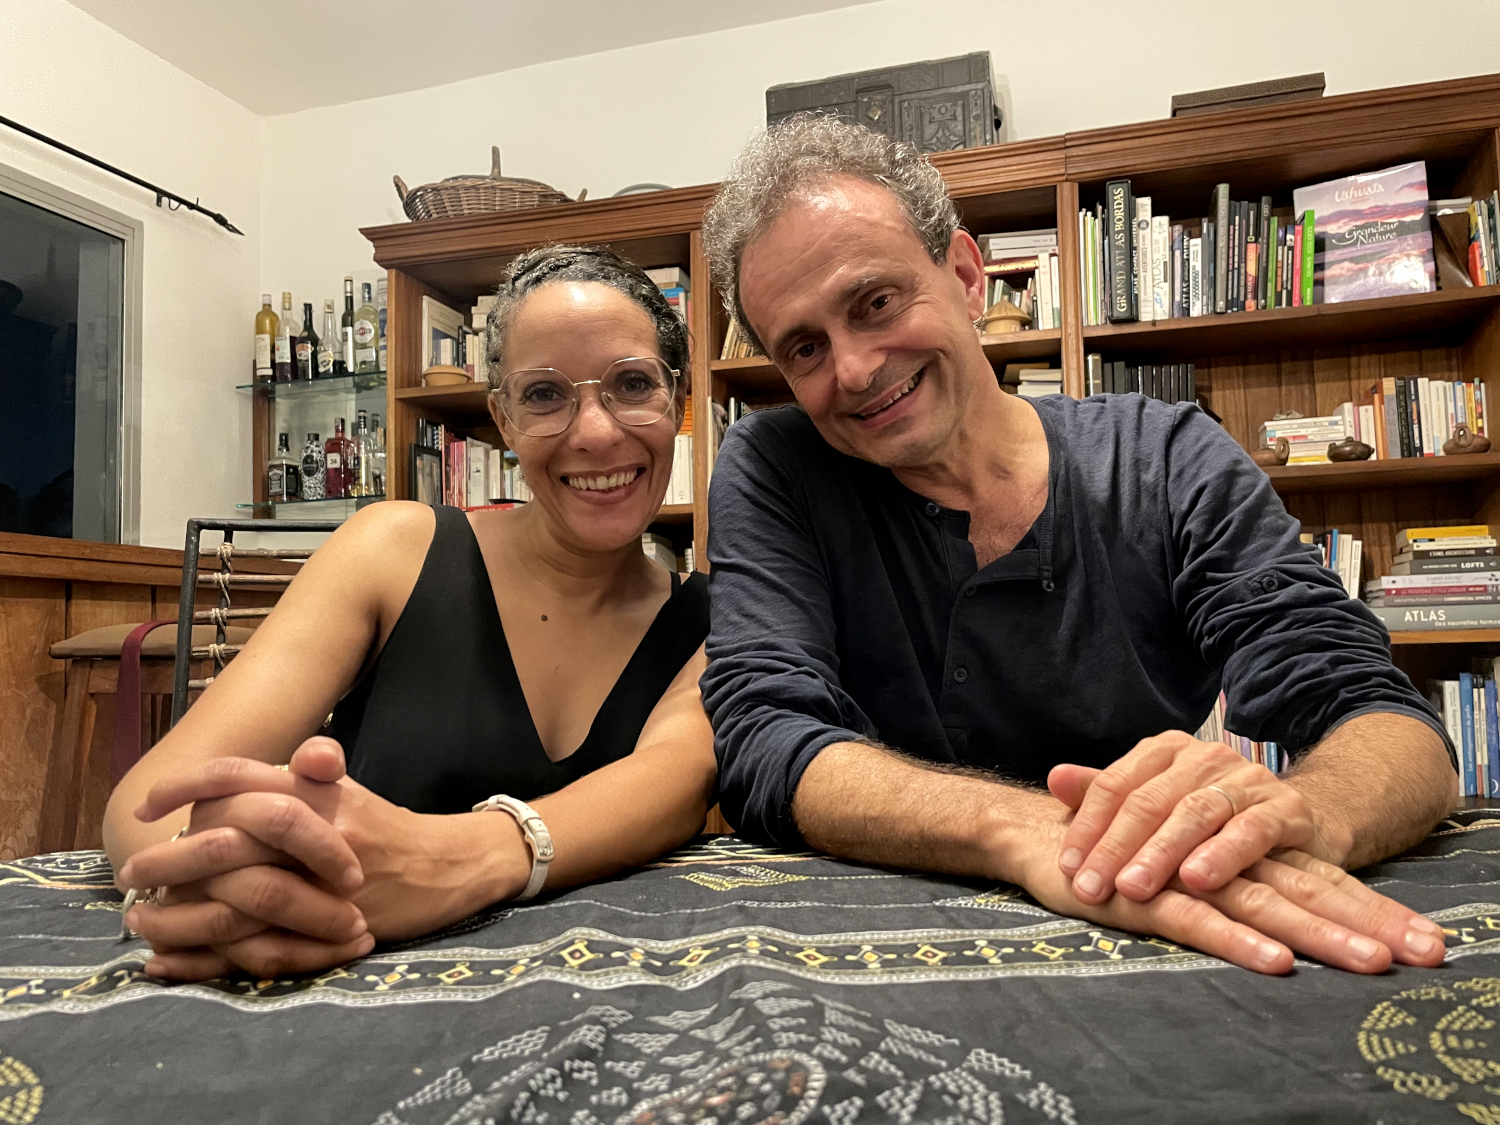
(1120, 216)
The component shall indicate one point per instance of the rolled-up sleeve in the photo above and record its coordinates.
(772, 688)
(1298, 656)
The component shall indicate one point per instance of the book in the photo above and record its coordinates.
(1221, 248)
(1305, 267)
(1412, 535)
(1264, 270)
(1121, 239)
(1419, 618)
(1463, 564)
(1145, 301)
(1466, 727)
(1492, 736)
(1195, 277)
(1175, 257)
(1371, 234)
(1161, 270)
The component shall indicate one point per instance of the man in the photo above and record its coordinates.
(930, 596)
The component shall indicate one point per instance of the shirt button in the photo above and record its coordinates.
(969, 593)
(932, 509)
(1269, 584)
(960, 674)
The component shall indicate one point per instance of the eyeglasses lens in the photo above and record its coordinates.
(542, 402)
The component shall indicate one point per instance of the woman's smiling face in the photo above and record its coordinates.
(600, 481)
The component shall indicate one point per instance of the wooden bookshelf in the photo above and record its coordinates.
(1249, 365)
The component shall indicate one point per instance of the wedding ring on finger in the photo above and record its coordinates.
(1233, 810)
(133, 896)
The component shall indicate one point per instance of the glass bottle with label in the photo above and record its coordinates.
(359, 468)
(266, 322)
(346, 326)
(314, 468)
(380, 309)
(377, 457)
(307, 346)
(284, 362)
(283, 473)
(336, 464)
(366, 335)
(328, 357)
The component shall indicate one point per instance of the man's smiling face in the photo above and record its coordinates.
(875, 339)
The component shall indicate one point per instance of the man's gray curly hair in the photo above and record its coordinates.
(802, 152)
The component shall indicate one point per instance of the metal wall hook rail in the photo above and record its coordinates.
(161, 193)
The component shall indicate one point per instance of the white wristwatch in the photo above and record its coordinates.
(537, 838)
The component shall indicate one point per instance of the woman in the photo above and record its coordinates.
(535, 653)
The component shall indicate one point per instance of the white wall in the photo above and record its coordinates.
(67, 75)
(676, 112)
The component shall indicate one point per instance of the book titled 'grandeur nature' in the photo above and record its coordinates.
(1371, 237)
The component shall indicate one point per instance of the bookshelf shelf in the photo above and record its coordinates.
(1448, 314)
(674, 513)
(1399, 473)
(1447, 637)
(466, 402)
(1034, 343)
(752, 377)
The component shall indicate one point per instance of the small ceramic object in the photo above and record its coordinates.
(1276, 455)
(1002, 317)
(1349, 450)
(1465, 440)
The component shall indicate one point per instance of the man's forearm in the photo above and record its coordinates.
(1377, 785)
(874, 805)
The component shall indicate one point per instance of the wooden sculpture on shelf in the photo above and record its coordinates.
(1349, 449)
(1276, 455)
(1002, 317)
(1465, 440)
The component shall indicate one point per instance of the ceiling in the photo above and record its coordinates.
(281, 56)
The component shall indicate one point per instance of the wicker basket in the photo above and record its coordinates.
(477, 195)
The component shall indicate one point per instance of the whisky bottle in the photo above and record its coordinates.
(336, 464)
(314, 468)
(366, 335)
(283, 363)
(346, 326)
(307, 346)
(265, 339)
(328, 359)
(283, 474)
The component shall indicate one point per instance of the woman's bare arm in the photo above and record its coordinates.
(298, 664)
(633, 810)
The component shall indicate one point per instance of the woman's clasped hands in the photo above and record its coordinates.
(299, 869)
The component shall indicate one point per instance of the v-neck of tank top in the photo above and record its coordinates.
(511, 678)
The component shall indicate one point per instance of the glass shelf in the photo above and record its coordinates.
(333, 384)
(312, 509)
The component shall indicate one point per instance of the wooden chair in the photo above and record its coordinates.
(103, 729)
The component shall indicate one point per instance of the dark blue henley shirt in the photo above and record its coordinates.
(845, 607)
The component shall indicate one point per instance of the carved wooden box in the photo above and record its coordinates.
(937, 105)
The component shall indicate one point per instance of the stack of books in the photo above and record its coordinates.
(659, 550)
(1484, 240)
(736, 344)
(1037, 382)
(1441, 578)
(1308, 438)
(1021, 267)
(674, 286)
(1468, 708)
(1168, 382)
(1341, 553)
(1348, 239)
(1266, 754)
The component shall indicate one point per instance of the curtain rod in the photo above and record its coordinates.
(161, 193)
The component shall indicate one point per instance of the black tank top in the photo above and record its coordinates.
(440, 722)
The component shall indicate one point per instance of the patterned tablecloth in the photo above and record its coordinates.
(731, 984)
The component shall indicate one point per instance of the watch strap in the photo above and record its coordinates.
(538, 839)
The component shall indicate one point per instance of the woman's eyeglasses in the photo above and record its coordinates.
(542, 401)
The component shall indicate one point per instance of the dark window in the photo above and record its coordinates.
(61, 312)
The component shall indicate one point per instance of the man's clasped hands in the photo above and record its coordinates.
(299, 869)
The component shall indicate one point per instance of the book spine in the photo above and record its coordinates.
(1195, 277)
(1262, 277)
(1252, 256)
(1296, 271)
(1273, 263)
(1466, 726)
(1145, 300)
(1305, 272)
(1492, 736)
(1177, 271)
(1161, 269)
(1232, 283)
(1414, 409)
(1403, 418)
(1055, 275)
(1221, 248)
(1426, 414)
(1121, 218)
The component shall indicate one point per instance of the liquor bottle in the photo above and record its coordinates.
(328, 358)
(336, 464)
(265, 339)
(380, 307)
(314, 468)
(284, 364)
(346, 326)
(359, 466)
(366, 334)
(307, 346)
(377, 457)
(283, 473)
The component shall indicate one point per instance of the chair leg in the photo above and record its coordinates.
(61, 789)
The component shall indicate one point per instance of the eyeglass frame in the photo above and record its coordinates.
(577, 398)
